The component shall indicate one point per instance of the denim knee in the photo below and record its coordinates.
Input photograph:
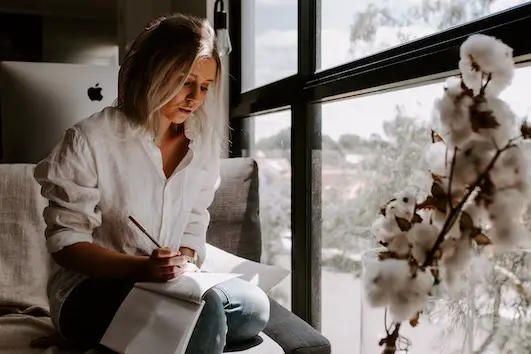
(209, 335)
(247, 312)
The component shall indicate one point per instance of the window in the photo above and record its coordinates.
(404, 42)
(272, 153)
(354, 29)
(373, 147)
(269, 41)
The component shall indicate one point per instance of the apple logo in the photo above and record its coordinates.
(94, 93)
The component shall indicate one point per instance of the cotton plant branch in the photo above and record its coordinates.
(458, 209)
(484, 184)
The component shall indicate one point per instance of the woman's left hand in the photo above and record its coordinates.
(190, 268)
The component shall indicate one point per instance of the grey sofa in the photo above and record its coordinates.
(24, 263)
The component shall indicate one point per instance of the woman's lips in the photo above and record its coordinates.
(185, 110)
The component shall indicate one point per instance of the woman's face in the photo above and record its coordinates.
(194, 92)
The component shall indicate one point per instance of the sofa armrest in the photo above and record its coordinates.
(293, 334)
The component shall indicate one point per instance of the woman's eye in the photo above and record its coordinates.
(204, 88)
(188, 83)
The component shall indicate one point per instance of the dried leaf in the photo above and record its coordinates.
(441, 205)
(482, 119)
(439, 197)
(466, 90)
(482, 239)
(466, 223)
(475, 66)
(435, 138)
(403, 224)
(525, 129)
(429, 203)
(386, 255)
(437, 190)
(383, 243)
(415, 320)
(437, 178)
(436, 276)
(416, 219)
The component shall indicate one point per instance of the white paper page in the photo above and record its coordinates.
(188, 286)
(262, 275)
(148, 320)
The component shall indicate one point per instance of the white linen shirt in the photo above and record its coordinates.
(102, 171)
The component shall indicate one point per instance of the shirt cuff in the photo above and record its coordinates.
(62, 239)
(199, 248)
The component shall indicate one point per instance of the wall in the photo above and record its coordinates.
(83, 41)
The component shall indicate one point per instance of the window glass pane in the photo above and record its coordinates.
(374, 146)
(269, 41)
(354, 29)
(272, 153)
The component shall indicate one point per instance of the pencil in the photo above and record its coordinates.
(144, 231)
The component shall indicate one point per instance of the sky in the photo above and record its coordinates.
(275, 57)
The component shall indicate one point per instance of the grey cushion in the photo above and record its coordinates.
(235, 222)
(264, 345)
(293, 334)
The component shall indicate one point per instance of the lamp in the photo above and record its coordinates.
(220, 26)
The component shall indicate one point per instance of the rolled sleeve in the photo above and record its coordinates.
(194, 236)
(69, 181)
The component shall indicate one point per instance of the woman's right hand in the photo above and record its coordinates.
(164, 264)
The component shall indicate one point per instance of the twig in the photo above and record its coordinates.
(452, 168)
(520, 288)
(484, 87)
(389, 342)
(495, 319)
(385, 322)
(454, 213)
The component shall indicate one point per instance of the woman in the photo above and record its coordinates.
(154, 156)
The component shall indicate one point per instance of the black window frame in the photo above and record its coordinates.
(421, 60)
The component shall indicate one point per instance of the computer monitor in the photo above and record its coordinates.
(39, 101)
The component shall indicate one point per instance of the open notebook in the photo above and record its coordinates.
(160, 317)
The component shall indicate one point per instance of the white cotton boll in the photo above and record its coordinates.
(422, 238)
(425, 215)
(382, 279)
(402, 207)
(507, 205)
(489, 55)
(478, 213)
(411, 297)
(472, 78)
(438, 218)
(509, 234)
(511, 170)
(506, 119)
(408, 197)
(501, 79)
(436, 157)
(379, 229)
(400, 245)
(385, 229)
(454, 112)
(472, 159)
(456, 253)
(452, 87)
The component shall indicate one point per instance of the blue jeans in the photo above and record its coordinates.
(234, 311)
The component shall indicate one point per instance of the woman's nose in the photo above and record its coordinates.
(193, 94)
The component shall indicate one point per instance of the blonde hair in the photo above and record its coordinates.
(156, 67)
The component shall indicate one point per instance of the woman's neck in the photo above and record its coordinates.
(172, 132)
